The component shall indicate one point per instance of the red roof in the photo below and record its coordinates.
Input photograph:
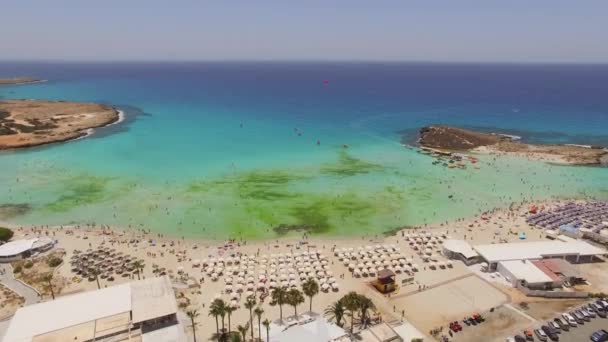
(541, 265)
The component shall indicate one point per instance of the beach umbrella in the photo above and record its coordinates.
(228, 280)
(228, 288)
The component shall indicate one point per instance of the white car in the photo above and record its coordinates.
(571, 321)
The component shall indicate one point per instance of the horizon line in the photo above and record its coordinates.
(328, 61)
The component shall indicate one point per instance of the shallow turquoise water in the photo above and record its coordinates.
(212, 150)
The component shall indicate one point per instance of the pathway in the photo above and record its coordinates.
(8, 279)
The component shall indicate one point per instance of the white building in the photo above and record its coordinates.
(144, 310)
(571, 250)
(525, 273)
(460, 250)
(19, 249)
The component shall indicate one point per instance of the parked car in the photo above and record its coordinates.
(563, 325)
(529, 335)
(510, 339)
(518, 338)
(550, 332)
(556, 327)
(478, 318)
(570, 319)
(540, 334)
(589, 311)
(602, 313)
(580, 319)
(454, 326)
(586, 316)
(600, 336)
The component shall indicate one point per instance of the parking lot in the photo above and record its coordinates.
(583, 332)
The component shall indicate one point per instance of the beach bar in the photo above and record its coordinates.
(20, 249)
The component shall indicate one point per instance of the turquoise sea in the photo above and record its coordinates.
(256, 150)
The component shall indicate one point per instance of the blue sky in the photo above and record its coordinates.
(373, 30)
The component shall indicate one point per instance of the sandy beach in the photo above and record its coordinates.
(183, 260)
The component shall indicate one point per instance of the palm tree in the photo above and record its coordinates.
(139, 267)
(365, 304)
(229, 310)
(96, 274)
(279, 296)
(250, 304)
(351, 303)
(335, 311)
(218, 308)
(243, 330)
(311, 289)
(48, 278)
(266, 323)
(258, 312)
(193, 314)
(295, 298)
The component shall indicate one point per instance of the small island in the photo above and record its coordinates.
(19, 80)
(454, 139)
(28, 123)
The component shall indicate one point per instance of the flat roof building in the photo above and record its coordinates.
(144, 310)
(572, 250)
(461, 250)
(525, 273)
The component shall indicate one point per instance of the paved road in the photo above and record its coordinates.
(583, 332)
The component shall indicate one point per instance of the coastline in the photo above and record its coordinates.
(91, 131)
(4, 82)
(101, 229)
(18, 139)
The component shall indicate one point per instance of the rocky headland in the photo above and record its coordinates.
(456, 139)
(27, 123)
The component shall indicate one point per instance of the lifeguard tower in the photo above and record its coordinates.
(385, 283)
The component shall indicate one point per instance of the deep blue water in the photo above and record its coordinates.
(544, 103)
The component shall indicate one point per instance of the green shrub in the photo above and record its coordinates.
(17, 269)
(28, 264)
(5, 234)
(54, 261)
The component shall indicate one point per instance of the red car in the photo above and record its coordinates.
(455, 326)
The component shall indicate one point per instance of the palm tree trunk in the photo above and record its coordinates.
(138, 278)
(310, 308)
(259, 328)
(267, 333)
(223, 326)
(97, 279)
(217, 326)
(251, 321)
(295, 309)
(281, 312)
(352, 322)
(229, 315)
(193, 328)
(51, 288)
